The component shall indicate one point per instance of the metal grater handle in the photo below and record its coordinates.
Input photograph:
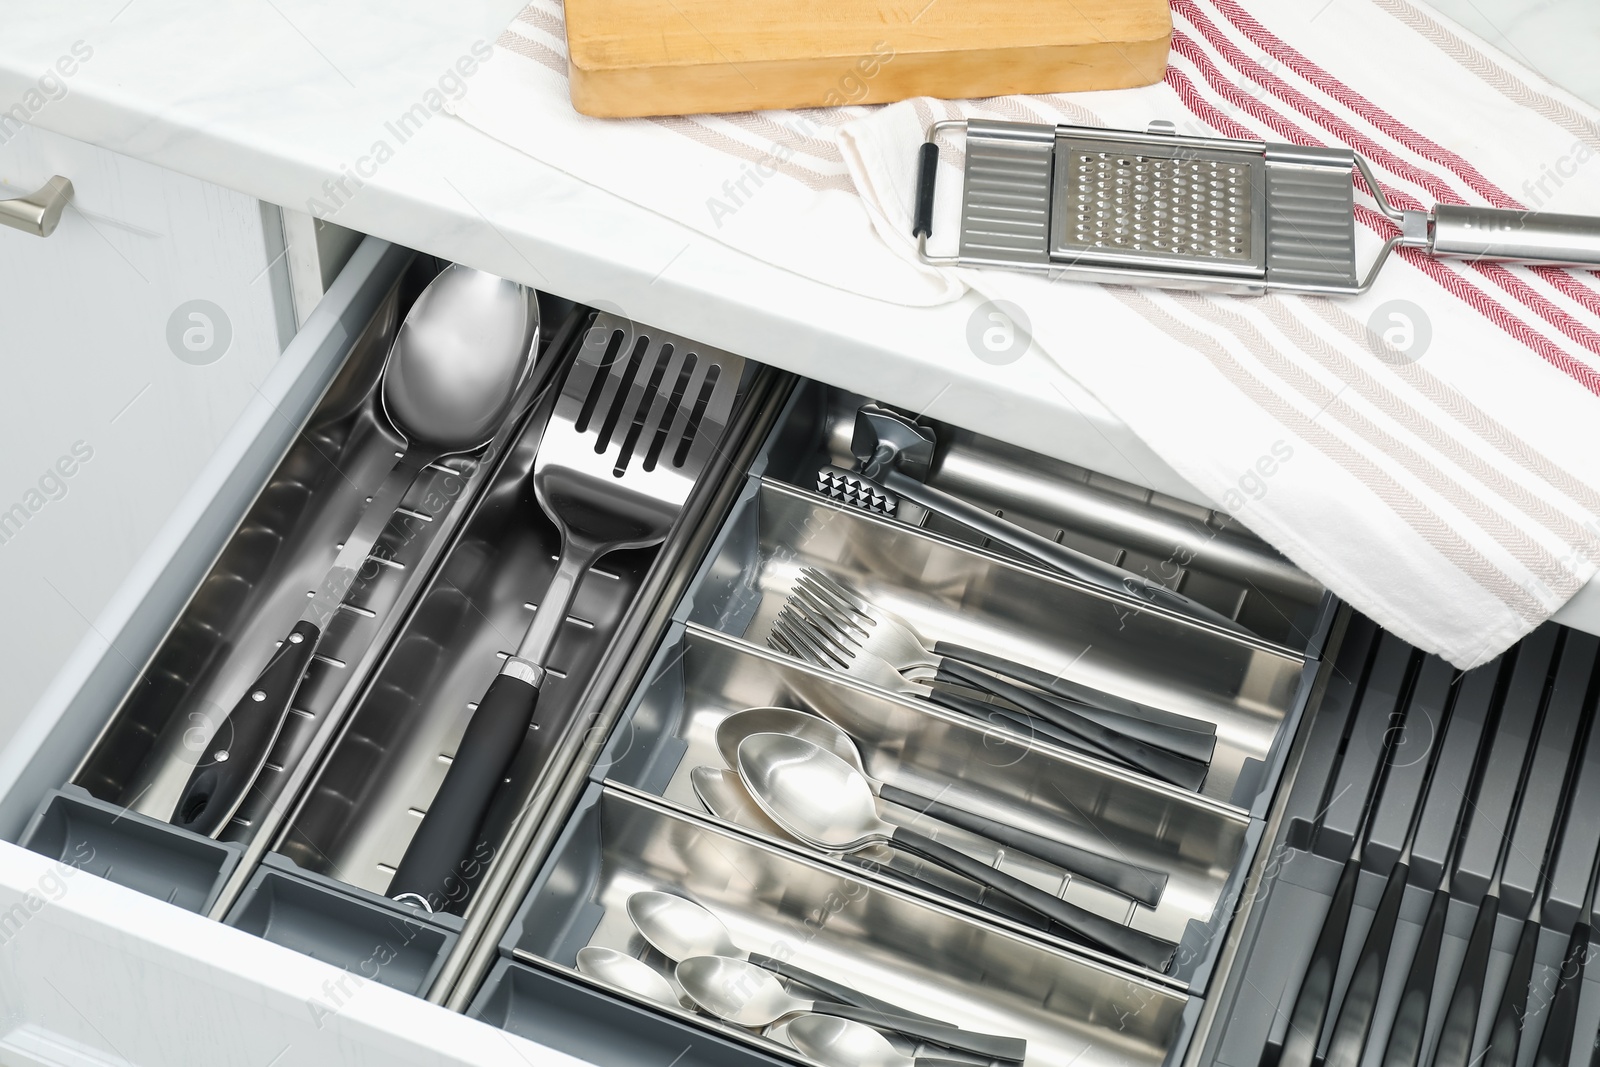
(1522, 236)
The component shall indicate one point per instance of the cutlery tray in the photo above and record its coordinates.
(306, 861)
(1382, 689)
(642, 824)
(831, 921)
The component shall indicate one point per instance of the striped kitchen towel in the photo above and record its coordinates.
(1430, 450)
(1426, 450)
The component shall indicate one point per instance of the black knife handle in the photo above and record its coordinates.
(431, 867)
(240, 746)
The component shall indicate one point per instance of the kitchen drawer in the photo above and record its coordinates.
(303, 956)
(114, 398)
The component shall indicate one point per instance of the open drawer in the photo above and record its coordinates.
(281, 918)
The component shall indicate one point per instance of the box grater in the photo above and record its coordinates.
(1163, 209)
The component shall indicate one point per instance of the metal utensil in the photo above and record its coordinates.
(1158, 208)
(826, 803)
(859, 623)
(679, 929)
(454, 368)
(638, 418)
(724, 795)
(625, 973)
(740, 992)
(807, 634)
(1131, 880)
(842, 1043)
(894, 455)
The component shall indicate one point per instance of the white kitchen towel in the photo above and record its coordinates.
(1430, 450)
(1426, 451)
(769, 183)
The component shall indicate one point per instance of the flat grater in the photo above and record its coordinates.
(1209, 213)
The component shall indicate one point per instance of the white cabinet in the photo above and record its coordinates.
(104, 422)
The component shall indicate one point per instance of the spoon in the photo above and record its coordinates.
(724, 795)
(827, 804)
(842, 1043)
(1129, 879)
(622, 971)
(679, 929)
(742, 993)
(450, 378)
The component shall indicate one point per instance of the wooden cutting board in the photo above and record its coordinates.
(677, 57)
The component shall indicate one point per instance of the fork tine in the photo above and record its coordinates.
(802, 635)
(847, 613)
(842, 592)
(824, 628)
(783, 634)
(815, 604)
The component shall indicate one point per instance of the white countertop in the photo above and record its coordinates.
(276, 97)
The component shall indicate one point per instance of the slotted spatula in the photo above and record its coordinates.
(639, 417)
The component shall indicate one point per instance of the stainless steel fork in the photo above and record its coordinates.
(804, 631)
(877, 630)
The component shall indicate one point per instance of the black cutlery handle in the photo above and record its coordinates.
(829, 988)
(241, 744)
(1505, 1035)
(1454, 1047)
(431, 868)
(1354, 1023)
(993, 1045)
(1183, 734)
(1131, 880)
(1108, 934)
(1561, 1018)
(1159, 763)
(1406, 1033)
(1310, 1010)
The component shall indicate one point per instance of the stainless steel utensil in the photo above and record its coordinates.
(679, 929)
(740, 992)
(638, 418)
(455, 366)
(802, 632)
(625, 973)
(859, 623)
(1163, 209)
(826, 803)
(1131, 880)
(724, 795)
(894, 455)
(842, 1043)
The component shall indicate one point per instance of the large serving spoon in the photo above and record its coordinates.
(1129, 879)
(842, 1043)
(449, 381)
(622, 971)
(827, 804)
(680, 929)
(740, 992)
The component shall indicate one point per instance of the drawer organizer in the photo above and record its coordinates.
(1145, 830)
(665, 810)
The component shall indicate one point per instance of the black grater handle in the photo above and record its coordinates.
(927, 171)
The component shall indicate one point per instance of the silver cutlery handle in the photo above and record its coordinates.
(39, 211)
(1523, 236)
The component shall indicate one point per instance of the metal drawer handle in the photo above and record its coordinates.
(38, 212)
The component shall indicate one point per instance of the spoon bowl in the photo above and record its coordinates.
(843, 1043)
(622, 971)
(464, 347)
(678, 928)
(819, 731)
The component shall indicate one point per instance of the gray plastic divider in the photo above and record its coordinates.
(328, 920)
(594, 1026)
(133, 850)
(1530, 668)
